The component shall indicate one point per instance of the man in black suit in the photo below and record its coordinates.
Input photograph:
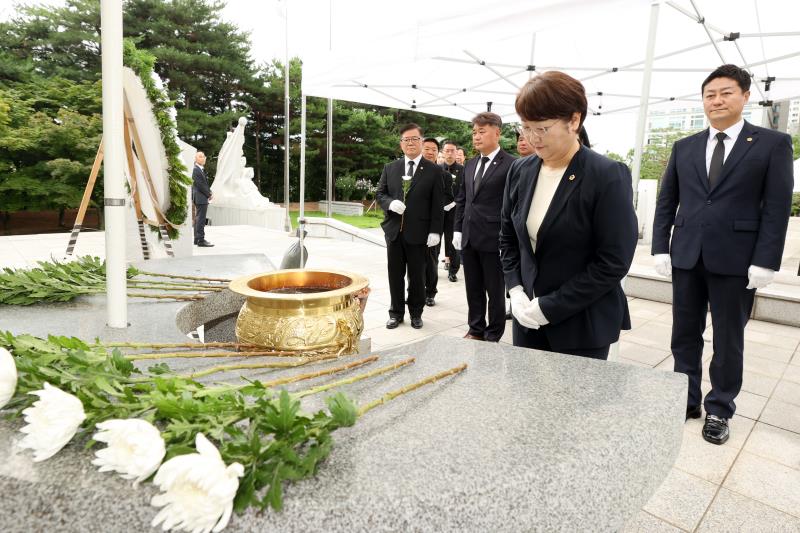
(731, 186)
(456, 172)
(477, 229)
(201, 196)
(430, 151)
(410, 194)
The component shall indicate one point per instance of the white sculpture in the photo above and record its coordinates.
(233, 182)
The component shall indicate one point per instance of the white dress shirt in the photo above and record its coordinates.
(732, 134)
(489, 162)
(416, 164)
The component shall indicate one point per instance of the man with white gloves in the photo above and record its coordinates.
(410, 194)
(476, 230)
(726, 197)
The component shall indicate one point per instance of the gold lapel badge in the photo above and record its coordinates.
(571, 177)
(749, 139)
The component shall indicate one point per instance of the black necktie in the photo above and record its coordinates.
(715, 168)
(411, 168)
(479, 175)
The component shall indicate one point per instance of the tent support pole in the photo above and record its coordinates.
(113, 164)
(286, 148)
(301, 219)
(645, 99)
(329, 187)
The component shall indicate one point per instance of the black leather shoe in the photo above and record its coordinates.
(715, 430)
(204, 244)
(430, 302)
(393, 323)
(694, 412)
(416, 322)
(452, 277)
(473, 337)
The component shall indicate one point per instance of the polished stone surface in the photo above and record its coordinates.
(85, 316)
(522, 440)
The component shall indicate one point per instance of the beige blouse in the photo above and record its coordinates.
(546, 187)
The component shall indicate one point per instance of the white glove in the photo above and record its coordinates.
(397, 206)
(433, 239)
(537, 314)
(457, 240)
(449, 206)
(663, 265)
(520, 307)
(759, 277)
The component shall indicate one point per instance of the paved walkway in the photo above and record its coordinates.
(751, 483)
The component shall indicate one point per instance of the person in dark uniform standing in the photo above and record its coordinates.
(430, 151)
(725, 197)
(476, 231)
(201, 196)
(410, 194)
(456, 171)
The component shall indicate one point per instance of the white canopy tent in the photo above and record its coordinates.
(456, 60)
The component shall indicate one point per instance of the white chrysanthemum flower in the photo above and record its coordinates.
(51, 422)
(198, 490)
(135, 448)
(8, 377)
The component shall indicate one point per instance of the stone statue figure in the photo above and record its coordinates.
(233, 183)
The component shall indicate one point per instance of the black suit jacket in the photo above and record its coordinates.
(457, 176)
(584, 248)
(201, 192)
(478, 212)
(742, 221)
(423, 214)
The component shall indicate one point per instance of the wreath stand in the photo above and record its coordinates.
(132, 142)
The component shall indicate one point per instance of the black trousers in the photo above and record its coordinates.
(431, 272)
(483, 277)
(450, 250)
(731, 303)
(537, 339)
(200, 222)
(405, 258)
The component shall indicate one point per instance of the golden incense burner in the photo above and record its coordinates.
(302, 310)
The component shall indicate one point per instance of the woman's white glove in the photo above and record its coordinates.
(397, 206)
(449, 206)
(457, 240)
(433, 239)
(521, 307)
(663, 265)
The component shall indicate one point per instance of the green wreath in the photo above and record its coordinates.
(142, 62)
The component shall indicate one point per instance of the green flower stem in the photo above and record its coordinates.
(254, 366)
(159, 346)
(164, 296)
(171, 288)
(176, 276)
(389, 396)
(189, 355)
(354, 379)
(177, 284)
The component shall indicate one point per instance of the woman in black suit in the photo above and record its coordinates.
(568, 228)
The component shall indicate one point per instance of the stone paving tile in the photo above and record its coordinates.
(775, 444)
(757, 383)
(653, 334)
(681, 500)
(646, 523)
(709, 461)
(792, 374)
(765, 351)
(781, 414)
(771, 339)
(644, 354)
(787, 392)
(764, 366)
(766, 481)
(776, 329)
(733, 513)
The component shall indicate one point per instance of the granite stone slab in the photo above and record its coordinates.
(523, 440)
(85, 316)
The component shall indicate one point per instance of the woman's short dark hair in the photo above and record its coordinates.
(551, 94)
(739, 75)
